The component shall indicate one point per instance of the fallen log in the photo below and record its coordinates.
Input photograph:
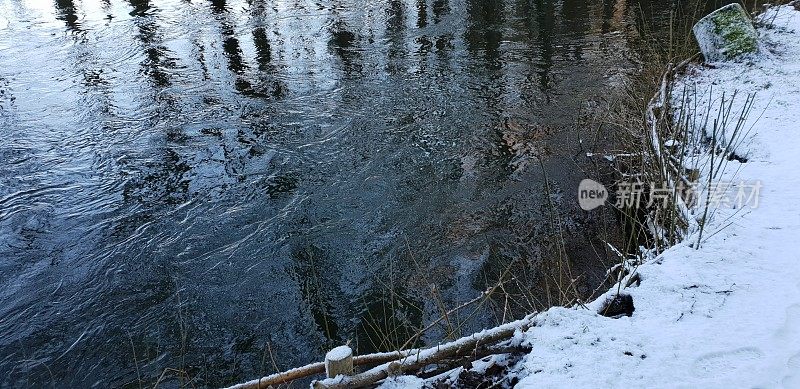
(462, 347)
(319, 368)
(447, 365)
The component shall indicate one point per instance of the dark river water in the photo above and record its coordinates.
(211, 189)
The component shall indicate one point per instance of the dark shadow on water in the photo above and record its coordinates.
(67, 13)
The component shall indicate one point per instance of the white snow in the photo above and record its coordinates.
(402, 382)
(339, 353)
(724, 314)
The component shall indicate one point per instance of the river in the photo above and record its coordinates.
(211, 190)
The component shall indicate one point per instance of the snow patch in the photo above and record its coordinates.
(339, 353)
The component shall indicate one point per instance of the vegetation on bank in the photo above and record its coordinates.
(657, 144)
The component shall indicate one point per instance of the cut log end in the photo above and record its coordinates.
(339, 361)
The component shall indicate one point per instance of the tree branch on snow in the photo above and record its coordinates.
(465, 346)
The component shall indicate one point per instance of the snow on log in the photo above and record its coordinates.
(319, 368)
(339, 361)
(726, 34)
(464, 346)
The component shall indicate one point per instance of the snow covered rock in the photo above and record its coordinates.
(726, 34)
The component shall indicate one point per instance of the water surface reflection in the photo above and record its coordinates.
(211, 185)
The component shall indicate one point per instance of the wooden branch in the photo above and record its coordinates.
(461, 347)
(450, 364)
(319, 368)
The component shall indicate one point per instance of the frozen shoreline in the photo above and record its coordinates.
(726, 313)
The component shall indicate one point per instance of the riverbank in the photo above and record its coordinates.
(721, 309)
(726, 313)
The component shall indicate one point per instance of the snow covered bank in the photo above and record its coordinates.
(724, 313)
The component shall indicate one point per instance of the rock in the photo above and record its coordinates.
(726, 34)
(618, 306)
